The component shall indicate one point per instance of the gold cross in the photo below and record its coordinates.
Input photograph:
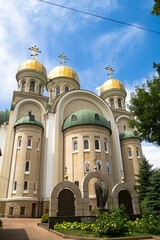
(34, 49)
(63, 57)
(110, 69)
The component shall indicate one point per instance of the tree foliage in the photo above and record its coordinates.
(145, 106)
(143, 182)
(156, 8)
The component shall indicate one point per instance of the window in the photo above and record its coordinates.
(112, 103)
(129, 154)
(40, 89)
(22, 211)
(29, 113)
(96, 116)
(119, 103)
(108, 168)
(66, 89)
(74, 118)
(25, 187)
(75, 146)
(57, 91)
(99, 165)
(87, 166)
(106, 147)
(19, 143)
(11, 211)
(138, 154)
(38, 145)
(51, 94)
(35, 187)
(14, 187)
(23, 86)
(125, 128)
(86, 145)
(97, 145)
(29, 143)
(77, 183)
(32, 86)
(27, 167)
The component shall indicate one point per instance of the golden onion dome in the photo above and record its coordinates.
(111, 84)
(32, 64)
(63, 71)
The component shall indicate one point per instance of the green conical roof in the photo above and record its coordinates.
(86, 117)
(129, 134)
(4, 116)
(27, 120)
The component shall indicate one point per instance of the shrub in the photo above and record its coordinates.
(1, 223)
(44, 218)
(74, 226)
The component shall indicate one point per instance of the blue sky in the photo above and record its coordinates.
(90, 43)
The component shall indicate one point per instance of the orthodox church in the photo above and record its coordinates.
(54, 149)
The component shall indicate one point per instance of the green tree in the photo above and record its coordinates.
(145, 106)
(143, 182)
(156, 8)
(152, 199)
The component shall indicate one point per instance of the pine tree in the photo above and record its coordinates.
(152, 200)
(143, 182)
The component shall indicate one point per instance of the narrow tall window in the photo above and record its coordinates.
(125, 128)
(97, 146)
(138, 154)
(19, 143)
(27, 167)
(66, 89)
(32, 86)
(35, 187)
(23, 86)
(29, 143)
(75, 146)
(112, 103)
(25, 187)
(40, 89)
(57, 91)
(119, 103)
(96, 116)
(129, 154)
(106, 147)
(86, 144)
(14, 187)
(38, 145)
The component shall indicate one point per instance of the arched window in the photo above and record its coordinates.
(96, 116)
(57, 91)
(97, 146)
(32, 86)
(108, 168)
(125, 128)
(29, 143)
(119, 103)
(23, 86)
(112, 103)
(86, 144)
(75, 146)
(66, 89)
(74, 118)
(99, 165)
(29, 113)
(129, 153)
(40, 89)
(51, 94)
(106, 146)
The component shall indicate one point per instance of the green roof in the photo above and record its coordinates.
(26, 120)
(4, 116)
(86, 117)
(129, 134)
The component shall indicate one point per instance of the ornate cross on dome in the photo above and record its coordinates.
(110, 71)
(34, 49)
(63, 57)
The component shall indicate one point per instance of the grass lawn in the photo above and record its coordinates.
(82, 233)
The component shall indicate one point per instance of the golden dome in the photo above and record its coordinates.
(112, 84)
(32, 64)
(63, 71)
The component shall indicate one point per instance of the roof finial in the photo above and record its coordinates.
(63, 57)
(34, 49)
(110, 71)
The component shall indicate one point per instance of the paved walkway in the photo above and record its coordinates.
(24, 229)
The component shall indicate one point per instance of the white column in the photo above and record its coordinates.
(49, 155)
(119, 151)
(3, 133)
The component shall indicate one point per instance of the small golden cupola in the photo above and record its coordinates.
(61, 79)
(31, 74)
(113, 91)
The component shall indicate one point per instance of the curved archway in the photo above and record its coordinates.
(85, 183)
(54, 194)
(125, 186)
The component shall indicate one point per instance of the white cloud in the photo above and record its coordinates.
(152, 153)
